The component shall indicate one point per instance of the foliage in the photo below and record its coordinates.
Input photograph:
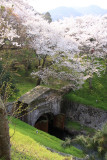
(7, 83)
(97, 143)
(67, 142)
(47, 17)
(106, 156)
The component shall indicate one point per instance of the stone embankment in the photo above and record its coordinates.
(86, 115)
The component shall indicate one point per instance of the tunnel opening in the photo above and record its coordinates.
(53, 124)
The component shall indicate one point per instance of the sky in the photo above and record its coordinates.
(46, 5)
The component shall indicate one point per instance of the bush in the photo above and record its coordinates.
(97, 143)
(7, 83)
(106, 156)
(67, 142)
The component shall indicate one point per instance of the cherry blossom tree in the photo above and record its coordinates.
(90, 32)
(47, 40)
(7, 33)
(75, 43)
(90, 36)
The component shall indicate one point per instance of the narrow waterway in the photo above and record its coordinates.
(61, 134)
(53, 125)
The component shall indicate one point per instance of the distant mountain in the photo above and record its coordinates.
(61, 12)
(93, 9)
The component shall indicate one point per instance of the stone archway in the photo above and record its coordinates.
(44, 122)
(48, 121)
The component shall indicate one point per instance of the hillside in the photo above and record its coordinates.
(29, 144)
(96, 97)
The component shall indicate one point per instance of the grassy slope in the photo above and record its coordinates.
(96, 97)
(23, 84)
(73, 125)
(24, 143)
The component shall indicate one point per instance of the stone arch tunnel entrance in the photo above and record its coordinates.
(52, 124)
(44, 122)
(42, 108)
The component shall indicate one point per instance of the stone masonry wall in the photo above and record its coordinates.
(86, 115)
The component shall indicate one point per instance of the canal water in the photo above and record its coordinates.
(61, 134)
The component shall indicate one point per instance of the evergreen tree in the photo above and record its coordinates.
(47, 17)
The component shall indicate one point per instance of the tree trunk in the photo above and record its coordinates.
(38, 81)
(39, 63)
(4, 134)
(44, 60)
(106, 65)
(90, 83)
(106, 69)
(43, 65)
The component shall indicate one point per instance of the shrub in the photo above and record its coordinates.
(97, 143)
(7, 83)
(67, 142)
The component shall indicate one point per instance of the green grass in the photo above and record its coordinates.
(96, 97)
(23, 84)
(73, 125)
(26, 83)
(26, 142)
